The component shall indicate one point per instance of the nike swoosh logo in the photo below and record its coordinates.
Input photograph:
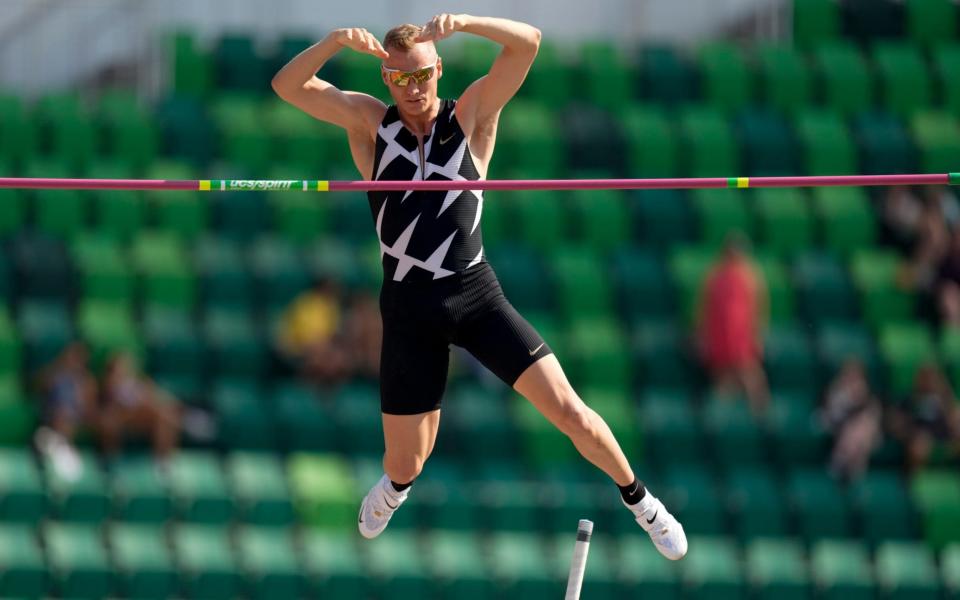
(650, 521)
(360, 516)
(392, 507)
(442, 141)
(537, 349)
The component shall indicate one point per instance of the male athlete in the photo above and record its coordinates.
(438, 288)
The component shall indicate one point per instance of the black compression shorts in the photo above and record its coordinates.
(422, 318)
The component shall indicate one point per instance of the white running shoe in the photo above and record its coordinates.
(378, 506)
(665, 531)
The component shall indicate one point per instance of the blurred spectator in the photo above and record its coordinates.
(853, 415)
(932, 245)
(133, 404)
(731, 321)
(947, 286)
(901, 216)
(929, 426)
(69, 396)
(364, 334)
(310, 336)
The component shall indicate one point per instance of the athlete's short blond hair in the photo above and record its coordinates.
(402, 37)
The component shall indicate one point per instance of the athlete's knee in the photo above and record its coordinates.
(403, 468)
(576, 418)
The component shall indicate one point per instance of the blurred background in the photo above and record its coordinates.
(188, 393)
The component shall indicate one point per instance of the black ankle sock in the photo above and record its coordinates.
(634, 492)
(400, 486)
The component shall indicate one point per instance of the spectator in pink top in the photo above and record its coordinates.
(731, 320)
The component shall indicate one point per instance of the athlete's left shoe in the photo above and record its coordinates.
(378, 506)
(665, 531)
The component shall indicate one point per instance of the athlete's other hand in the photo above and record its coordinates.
(440, 27)
(361, 40)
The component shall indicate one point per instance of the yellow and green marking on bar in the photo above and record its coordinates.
(247, 185)
(738, 182)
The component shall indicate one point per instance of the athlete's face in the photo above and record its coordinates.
(420, 92)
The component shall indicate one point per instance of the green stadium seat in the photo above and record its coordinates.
(446, 501)
(108, 328)
(768, 143)
(299, 218)
(823, 288)
(785, 78)
(875, 276)
(70, 134)
(652, 147)
(206, 564)
(946, 61)
(777, 568)
(693, 495)
(10, 352)
(23, 497)
(878, 495)
(708, 143)
(165, 275)
(172, 346)
(950, 568)
(259, 487)
(78, 561)
(931, 21)
(334, 563)
(187, 131)
(278, 272)
(356, 409)
(324, 491)
(662, 218)
(790, 359)
(720, 213)
(733, 431)
(84, 498)
(904, 78)
(60, 213)
(642, 572)
(670, 429)
(199, 488)
(12, 209)
(140, 493)
(118, 214)
(907, 570)
(518, 563)
(397, 569)
(712, 569)
(583, 289)
(102, 266)
(130, 136)
(589, 153)
(938, 140)
(726, 81)
(826, 144)
(268, 558)
(522, 275)
(234, 344)
(846, 219)
(456, 561)
(192, 68)
(497, 221)
(601, 580)
(17, 414)
(541, 218)
(820, 504)
(45, 328)
(301, 144)
(948, 349)
(551, 75)
(815, 21)
(845, 78)
(936, 494)
(604, 76)
(22, 571)
(754, 497)
(666, 75)
(885, 145)
(659, 351)
(507, 502)
(641, 284)
(598, 355)
(796, 435)
(689, 266)
(18, 132)
(529, 139)
(183, 214)
(243, 418)
(222, 273)
(905, 348)
(238, 64)
(476, 425)
(602, 218)
(303, 420)
(784, 220)
(842, 570)
(141, 561)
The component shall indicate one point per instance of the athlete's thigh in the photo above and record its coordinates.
(503, 341)
(413, 368)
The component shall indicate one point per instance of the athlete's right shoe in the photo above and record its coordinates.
(378, 506)
(665, 531)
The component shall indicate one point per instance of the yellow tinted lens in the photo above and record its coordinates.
(422, 75)
(399, 78)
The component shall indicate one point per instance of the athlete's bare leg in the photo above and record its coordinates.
(545, 385)
(409, 440)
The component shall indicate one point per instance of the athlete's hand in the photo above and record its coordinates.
(440, 27)
(361, 40)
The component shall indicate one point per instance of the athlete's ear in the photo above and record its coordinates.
(439, 68)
